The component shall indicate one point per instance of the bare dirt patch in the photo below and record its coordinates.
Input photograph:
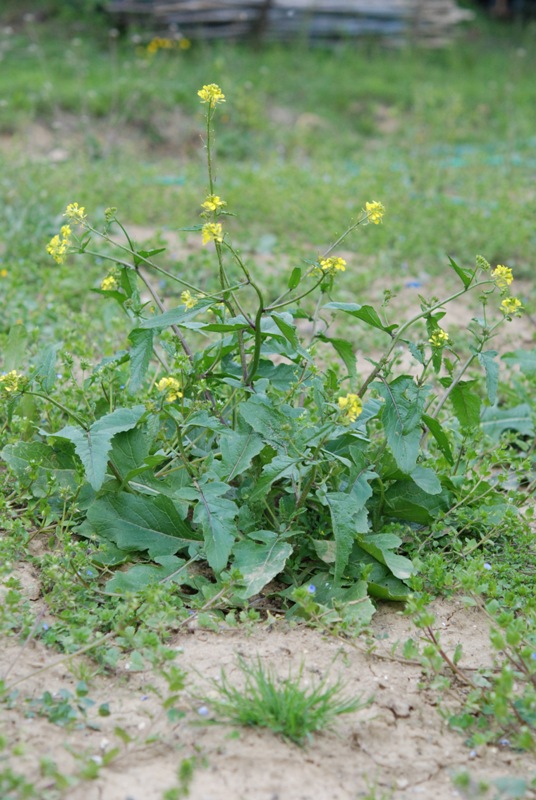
(399, 743)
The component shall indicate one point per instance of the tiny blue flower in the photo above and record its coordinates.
(487, 566)
(203, 711)
(46, 627)
(311, 588)
(533, 656)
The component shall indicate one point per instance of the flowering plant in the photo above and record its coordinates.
(246, 453)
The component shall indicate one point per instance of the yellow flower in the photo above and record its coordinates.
(211, 94)
(374, 211)
(332, 265)
(502, 276)
(75, 212)
(352, 407)
(171, 386)
(109, 284)
(3, 273)
(57, 247)
(184, 44)
(188, 299)
(212, 232)
(439, 338)
(213, 203)
(11, 382)
(511, 307)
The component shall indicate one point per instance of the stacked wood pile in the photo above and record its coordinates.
(426, 21)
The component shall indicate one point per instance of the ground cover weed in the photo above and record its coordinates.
(215, 436)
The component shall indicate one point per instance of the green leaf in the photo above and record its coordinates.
(405, 500)
(348, 516)
(176, 316)
(466, 405)
(401, 417)
(464, 275)
(279, 467)
(497, 420)
(525, 359)
(366, 314)
(264, 418)
(487, 360)
(381, 546)
(142, 575)
(45, 367)
(286, 327)
(216, 515)
(426, 479)
(14, 350)
(93, 446)
(295, 278)
(135, 522)
(261, 560)
(238, 451)
(439, 435)
(140, 356)
(129, 450)
(388, 588)
(344, 349)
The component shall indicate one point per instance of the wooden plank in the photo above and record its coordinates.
(398, 19)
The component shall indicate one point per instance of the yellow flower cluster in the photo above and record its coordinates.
(188, 299)
(171, 386)
(332, 265)
(157, 44)
(502, 276)
(212, 232)
(58, 245)
(374, 211)
(75, 213)
(211, 94)
(213, 203)
(352, 407)
(109, 284)
(439, 338)
(11, 382)
(511, 307)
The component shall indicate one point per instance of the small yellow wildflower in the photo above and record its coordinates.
(439, 338)
(188, 299)
(157, 44)
(352, 407)
(184, 43)
(213, 203)
(212, 232)
(374, 211)
(3, 273)
(11, 382)
(502, 276)
(171, 386)
(511, 307)
(75, 212)
(211, 94)
(109, 284)
(57, 247)
(331, 265)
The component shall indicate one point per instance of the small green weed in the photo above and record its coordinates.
(281, 705)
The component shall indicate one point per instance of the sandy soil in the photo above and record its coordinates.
(398, 744)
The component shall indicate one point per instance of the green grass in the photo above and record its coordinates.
(283, 706)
